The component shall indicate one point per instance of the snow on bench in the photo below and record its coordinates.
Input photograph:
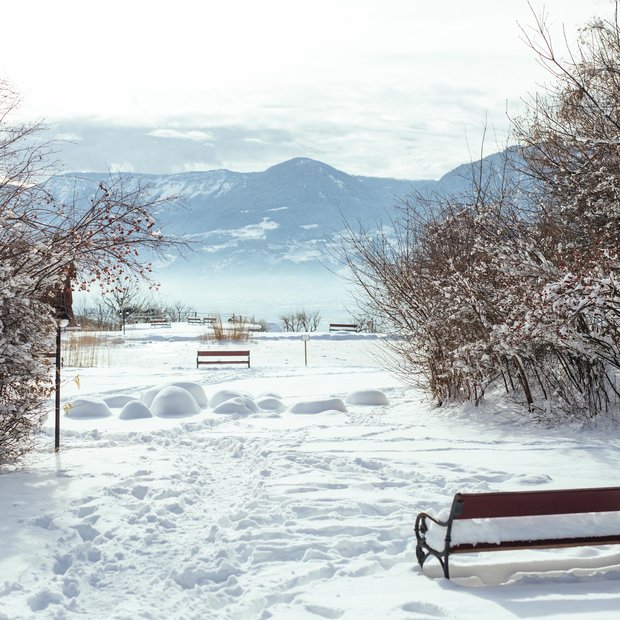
(519, 520)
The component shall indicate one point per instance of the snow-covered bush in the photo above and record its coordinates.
(26, 335)
(48, 246)
(516, 284)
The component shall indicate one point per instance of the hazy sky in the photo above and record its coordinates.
(396, 88)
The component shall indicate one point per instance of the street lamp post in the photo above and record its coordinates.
(60, 323)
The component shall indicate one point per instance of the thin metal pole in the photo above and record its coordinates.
(306, 352)
(57, 403)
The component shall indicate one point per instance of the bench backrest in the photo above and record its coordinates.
(534, 503)
(223, 353)
(342, 326)
(222, 357)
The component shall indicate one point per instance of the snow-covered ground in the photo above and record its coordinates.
(295, 500)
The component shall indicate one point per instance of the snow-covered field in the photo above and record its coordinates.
(255, 510)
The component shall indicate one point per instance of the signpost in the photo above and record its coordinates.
(305, 338)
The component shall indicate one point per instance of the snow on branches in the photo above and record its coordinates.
(48, 245)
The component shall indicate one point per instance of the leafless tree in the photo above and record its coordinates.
(301, 321)
(516, 286)
(44, 242)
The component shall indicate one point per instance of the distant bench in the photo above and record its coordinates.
(343, 327)
(528, 534)
(160, 323)
(196, 320)
(222, 357)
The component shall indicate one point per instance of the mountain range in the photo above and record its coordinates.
(260, 240)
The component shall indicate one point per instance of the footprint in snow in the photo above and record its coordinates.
(324, 612)
(139, 491)
(423, 610)
(534, 479)
(43, 599)
(85, 511)
(86, 531)
(45, 521)
(62, 564)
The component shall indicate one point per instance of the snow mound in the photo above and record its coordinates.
(88, 407)
(270, 403)
(367, 397)
(148, 395)
(239, 406)
(223, 395)
(318, 406)
(118, 401)
(134, 410)
(248, 401)
(195, 389)
(173, 401)
(269, 395)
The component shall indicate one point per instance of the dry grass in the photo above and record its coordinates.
(83, 350)
(235, 332)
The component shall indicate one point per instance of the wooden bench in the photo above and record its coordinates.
(222, 357)
(196, 320)
(160, 323)
(526, 506)
(343, 327)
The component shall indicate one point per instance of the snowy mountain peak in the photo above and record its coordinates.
(303, 165)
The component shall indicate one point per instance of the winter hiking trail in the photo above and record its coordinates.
(281, 515)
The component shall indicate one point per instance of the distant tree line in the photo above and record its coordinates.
(127, 304)
(516, 285)
(300, 321)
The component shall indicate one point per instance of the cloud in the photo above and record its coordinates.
(373, 88)
(68, 137)
(178, 134)
(424, 140)
(123, 166)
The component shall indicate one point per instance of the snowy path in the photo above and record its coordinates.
(288, 516)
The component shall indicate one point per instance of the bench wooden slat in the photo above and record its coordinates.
(223, 353)
(218, 355)
(223, 362)
(349, 327)
(535, 503)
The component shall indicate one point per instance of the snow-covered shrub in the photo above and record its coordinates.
(26, 335)
(516, 283)
(571, 138)
(49, 246)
